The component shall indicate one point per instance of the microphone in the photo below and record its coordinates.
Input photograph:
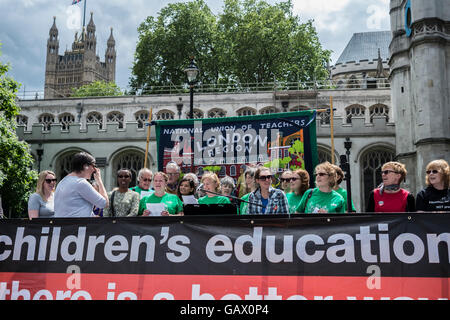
(232, 197)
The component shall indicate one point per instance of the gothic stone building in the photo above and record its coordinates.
(77, 67)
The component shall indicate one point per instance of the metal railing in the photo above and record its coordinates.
(341, 84)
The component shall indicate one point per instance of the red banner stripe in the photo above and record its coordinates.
(28, 286)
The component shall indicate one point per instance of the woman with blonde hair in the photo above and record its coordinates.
(322, 199)
(173, 206)
(211, 183)
(299, 185)
(436, 196)
(41, 203)
(389, 197)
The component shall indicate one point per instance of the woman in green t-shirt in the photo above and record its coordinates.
(172, 204)
(299, 184)
(212, 183)
(322, 199)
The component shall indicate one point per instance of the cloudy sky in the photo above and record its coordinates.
(25, 25)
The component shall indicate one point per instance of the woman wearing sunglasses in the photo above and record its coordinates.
(389, 197)
(75, 197)
(266, 199)
(436, 196)
(123, 202)
(322, 199)
(299, 184)
(40, 203)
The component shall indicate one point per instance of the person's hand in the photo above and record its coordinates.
(97, 175)
(165, 213)
(146, 213)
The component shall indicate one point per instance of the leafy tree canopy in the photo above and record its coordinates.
(17, 179)
(251, 41)
(97, 89)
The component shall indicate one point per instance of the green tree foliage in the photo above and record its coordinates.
(165, 43)
(97, 89)
(17, 179)
(251, 41)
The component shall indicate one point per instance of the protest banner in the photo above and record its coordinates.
(279, 141)
(348, 257)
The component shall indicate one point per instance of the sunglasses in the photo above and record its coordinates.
(432, 171)
(123, 177)
(50, 180)
(146, 180)
(386, 172)
(321, 174)
(288, 179)
(265, 177)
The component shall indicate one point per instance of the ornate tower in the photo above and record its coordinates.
(110, 58)
(51, 61)
(77, 67)
(420, 83)
(90, 58)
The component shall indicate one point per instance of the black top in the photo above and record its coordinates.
(431, 199)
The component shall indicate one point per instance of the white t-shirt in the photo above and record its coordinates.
(75, 198)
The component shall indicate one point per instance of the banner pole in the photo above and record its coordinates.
(148, 136)
(332, 129)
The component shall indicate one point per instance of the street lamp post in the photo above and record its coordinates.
(191, 72)
(345, 166)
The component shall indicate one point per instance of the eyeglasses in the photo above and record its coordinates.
(288, 179)
(321, 174)
(172, 174)
(386, 172)
(432, 171)
(123, 177)
(94, 165)
(146, 179)
(265, 177)
(50, 180)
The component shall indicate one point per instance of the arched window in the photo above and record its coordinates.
(46, 119)
(131, 160)
(216, 113)
(64, 164)
(65, 120)
(95, 117)
(141, 118)
(246, 112)
(198, 114)
(115, 117)
(22, 120)
(355, 110)
(165, 115)
(353, 83)
(324, 116)
(268, 110)
(379, 110)
(371, 163)
(324, 154)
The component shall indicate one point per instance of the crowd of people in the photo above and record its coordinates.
(82, 192)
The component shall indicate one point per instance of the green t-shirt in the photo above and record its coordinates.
(244, 205)
(213, 200)
(293, 201)
(172, 202)
(142, 193)
(321, 202)
(343, 193)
